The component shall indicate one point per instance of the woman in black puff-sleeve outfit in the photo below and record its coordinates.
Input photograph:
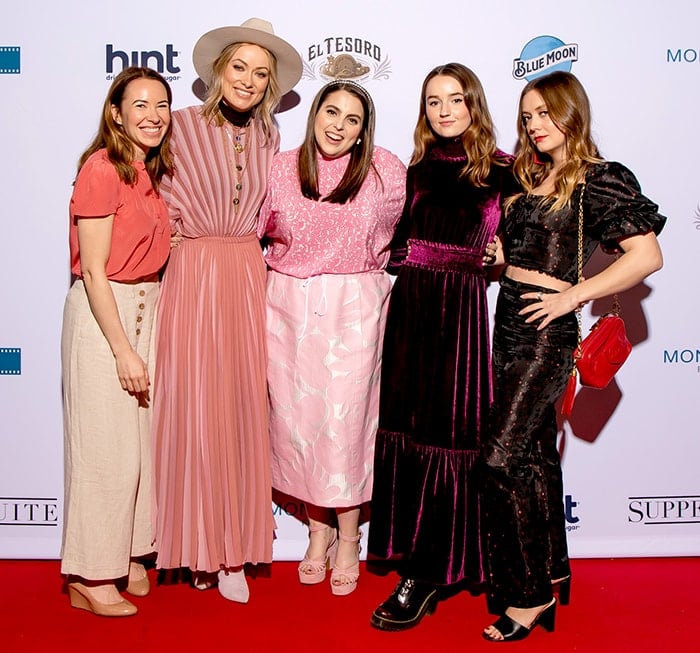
(535, 334)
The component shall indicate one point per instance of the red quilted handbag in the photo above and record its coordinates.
(598, 357)
(602, 352)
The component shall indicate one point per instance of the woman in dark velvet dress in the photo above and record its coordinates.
(436, 375)
(535, 333)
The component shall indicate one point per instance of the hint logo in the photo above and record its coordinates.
(10, 360)
(542, 55)
(9, 60)
(571, 519)
(163, 62)
(28, 512)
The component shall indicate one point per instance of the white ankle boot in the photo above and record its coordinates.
(233, 586)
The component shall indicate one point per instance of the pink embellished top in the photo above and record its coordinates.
(309, 237)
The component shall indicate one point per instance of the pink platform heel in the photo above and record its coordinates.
(313, 570)
(344, 581)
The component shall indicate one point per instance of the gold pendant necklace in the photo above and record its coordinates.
(237, 138)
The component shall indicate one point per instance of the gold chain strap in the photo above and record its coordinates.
(579, 259)
(616, 309)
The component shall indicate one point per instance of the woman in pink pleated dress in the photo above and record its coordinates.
(212, 467)
(329, 215)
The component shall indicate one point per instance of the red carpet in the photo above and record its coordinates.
(638, 605)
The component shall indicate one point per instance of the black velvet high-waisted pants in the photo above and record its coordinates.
(521, 481)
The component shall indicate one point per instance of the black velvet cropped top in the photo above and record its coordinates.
(613, 208)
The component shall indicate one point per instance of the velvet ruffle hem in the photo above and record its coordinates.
(429, 511)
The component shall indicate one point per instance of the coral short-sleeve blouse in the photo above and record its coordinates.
(140, 231)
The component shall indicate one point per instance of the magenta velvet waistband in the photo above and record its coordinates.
(422, 253)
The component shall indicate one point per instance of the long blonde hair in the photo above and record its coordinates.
(478, 140)
(264, 110)
(570, 110)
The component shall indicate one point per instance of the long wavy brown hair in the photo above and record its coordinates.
(360, 162)
(113, 138)
(570, 110)
(263, 111)
(478, 140)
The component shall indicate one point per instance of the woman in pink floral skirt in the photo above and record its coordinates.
(329, 215)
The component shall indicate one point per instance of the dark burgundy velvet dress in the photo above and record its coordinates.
(436, 375)
(523, 519)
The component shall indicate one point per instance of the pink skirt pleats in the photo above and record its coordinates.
(212, 466)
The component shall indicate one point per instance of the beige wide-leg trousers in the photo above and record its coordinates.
(106, 512)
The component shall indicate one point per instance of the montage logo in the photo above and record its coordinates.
(650, 511)
(16, 511)
(10, 360)
(9, 60)
(346, 57)
(542, 55)
(696, 217)
(290, 508)
(687, 55)
(163, 62)
(682, 357)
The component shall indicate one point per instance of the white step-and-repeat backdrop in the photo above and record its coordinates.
(630, 452)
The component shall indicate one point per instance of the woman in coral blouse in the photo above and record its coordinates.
(329, 216)
(119, 241)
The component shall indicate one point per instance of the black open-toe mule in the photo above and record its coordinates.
(512, 631)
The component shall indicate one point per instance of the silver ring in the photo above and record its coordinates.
(539, 296)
